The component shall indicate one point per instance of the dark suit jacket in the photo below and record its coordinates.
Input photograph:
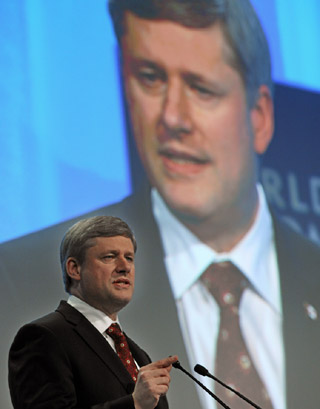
(62, 361)
(152, 317)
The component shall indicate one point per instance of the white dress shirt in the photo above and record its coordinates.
(97, 318)
(186, 258)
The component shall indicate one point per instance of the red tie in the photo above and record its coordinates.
(122, 348)
(233, 362)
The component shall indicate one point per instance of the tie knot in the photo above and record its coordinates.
(115, 332)
(225, 282)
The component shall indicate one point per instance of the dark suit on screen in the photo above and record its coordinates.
(62, 361)
(152, 317)
(299, 269)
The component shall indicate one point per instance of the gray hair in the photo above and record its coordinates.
(239, 21)
(81, 236)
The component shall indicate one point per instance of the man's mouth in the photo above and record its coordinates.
(182, 162)
(122, 282)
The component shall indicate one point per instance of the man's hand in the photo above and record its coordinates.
(153, 381)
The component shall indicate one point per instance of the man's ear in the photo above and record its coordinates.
(262, 120)
(73, 269)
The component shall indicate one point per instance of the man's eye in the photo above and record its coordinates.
(149, 78)
(203, 92)
(108, 256)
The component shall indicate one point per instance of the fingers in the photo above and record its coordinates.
(153, 381)
(151, 384)
(156, 376)
(165, 363)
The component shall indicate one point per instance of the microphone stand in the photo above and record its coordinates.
(204, 372)
(178, 366)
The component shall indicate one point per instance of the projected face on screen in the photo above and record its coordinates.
(198, 89)
(194, 132)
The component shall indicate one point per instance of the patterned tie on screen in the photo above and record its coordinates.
(123, 350)
(233, 363)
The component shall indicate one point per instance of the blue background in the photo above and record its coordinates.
(62, 135)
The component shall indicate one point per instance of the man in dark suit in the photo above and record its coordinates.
(70, 358)
(199, 91)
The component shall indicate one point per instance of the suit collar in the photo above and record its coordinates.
(298, 261)
(293, 261)
(98, 318)
(97, 343)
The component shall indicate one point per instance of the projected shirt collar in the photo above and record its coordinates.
(186, 257)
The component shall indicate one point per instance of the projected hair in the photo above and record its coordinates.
(82, 234)
(243, 33)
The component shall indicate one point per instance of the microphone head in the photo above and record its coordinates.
(176, 365)
(201, 370)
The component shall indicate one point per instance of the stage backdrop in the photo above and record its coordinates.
(63, 143)
(62, 140)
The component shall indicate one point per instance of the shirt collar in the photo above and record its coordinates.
(257, 246)
(186, 257)
(97, 318)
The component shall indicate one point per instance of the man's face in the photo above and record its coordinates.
(107, 274)
(189, 116)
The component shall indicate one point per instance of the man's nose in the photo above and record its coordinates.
(176, 110)
(123, 265)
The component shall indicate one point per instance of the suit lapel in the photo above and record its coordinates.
(96, 342)
(139, 355)
(296, 266)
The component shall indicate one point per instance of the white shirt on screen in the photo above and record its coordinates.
(186, 258)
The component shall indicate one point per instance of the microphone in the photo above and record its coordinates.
(177, 365)
(201, 370)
